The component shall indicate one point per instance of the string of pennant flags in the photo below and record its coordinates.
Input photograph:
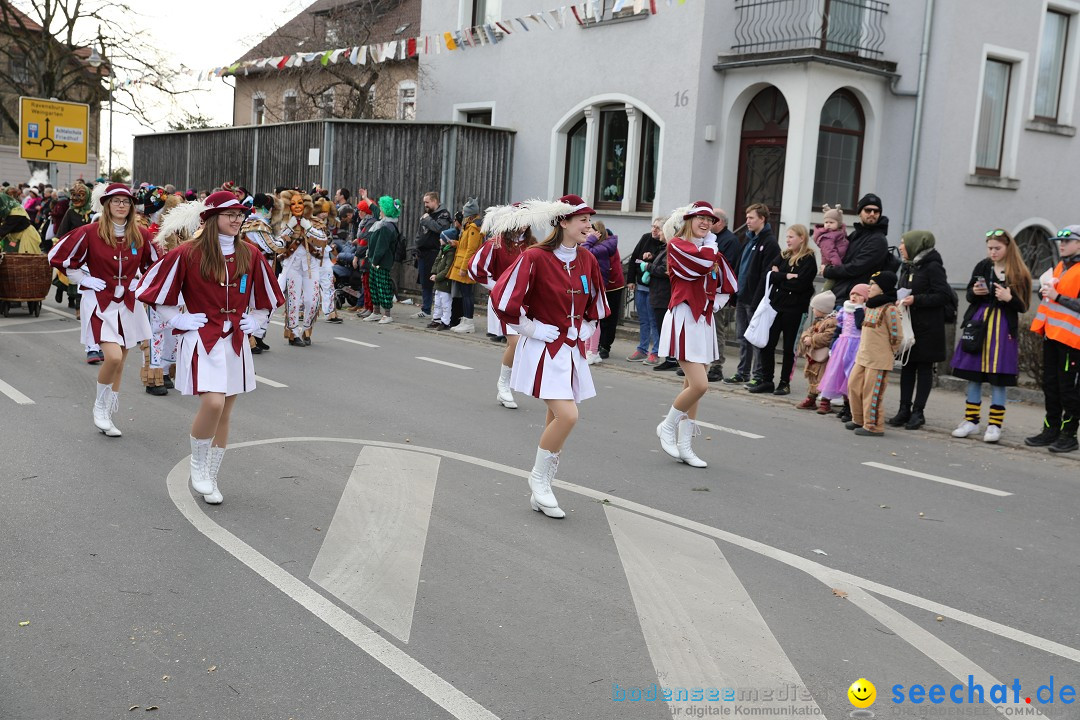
(492, 33)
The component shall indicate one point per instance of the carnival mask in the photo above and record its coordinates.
(78, 195)
(296, 205)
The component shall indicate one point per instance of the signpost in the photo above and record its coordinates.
(53, 131)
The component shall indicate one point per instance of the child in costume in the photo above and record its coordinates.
(878, 342)
(814, 346)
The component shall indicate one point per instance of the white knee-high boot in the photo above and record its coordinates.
(687, 430)
(102, 405)
(213, 465)
(667, 431)
(543, 472)
(200, 465)
(505, 396)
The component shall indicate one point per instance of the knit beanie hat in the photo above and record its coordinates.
(823, 302)
(885, 280)
(471, 207)
(390, 207)
(867, 200)
(861, 289)
(833, 213)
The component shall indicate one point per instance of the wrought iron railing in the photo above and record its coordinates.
(848, 27)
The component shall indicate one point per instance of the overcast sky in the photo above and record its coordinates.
(183, 34)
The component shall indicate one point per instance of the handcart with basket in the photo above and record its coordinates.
(24, 278)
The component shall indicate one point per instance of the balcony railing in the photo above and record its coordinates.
(843, 27)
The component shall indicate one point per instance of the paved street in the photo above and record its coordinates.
(376, 557)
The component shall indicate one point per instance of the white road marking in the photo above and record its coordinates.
(38, 332)
(442, 693)
(443, 362)
(57, 311)
(356, 342)
(14, 394)
(733, 431)
(948, 657)
(375, 544)
(12, 322)
(271, 383)
(445, 694)
(696, 616)
(938, 478)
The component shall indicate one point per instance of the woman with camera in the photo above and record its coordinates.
(988, 350)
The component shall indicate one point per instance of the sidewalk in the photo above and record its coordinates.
(944, 409)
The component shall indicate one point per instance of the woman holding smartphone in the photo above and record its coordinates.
(998, 294)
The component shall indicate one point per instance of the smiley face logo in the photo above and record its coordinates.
(862, 693)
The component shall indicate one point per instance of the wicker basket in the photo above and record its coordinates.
(25, 278)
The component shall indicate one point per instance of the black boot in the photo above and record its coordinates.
(916, 421)
(1047, 437)
(169, 385)
(901, 417)
(59, 293)
(1066, 441)
(845, 412)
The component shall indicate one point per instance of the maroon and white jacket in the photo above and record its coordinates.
(494, 258)
(115, 266)
(698, 275)
(541, 287)
(178, 275)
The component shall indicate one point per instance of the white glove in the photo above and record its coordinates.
(250, 324)
(305, 223)
(92, 283)
(188, 321)
(133, 284)
(710, 241)
(588, 329)
(538, 330)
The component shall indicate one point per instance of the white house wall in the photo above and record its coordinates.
(540, 79)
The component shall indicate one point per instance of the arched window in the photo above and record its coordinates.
(839, 154)
(763, 151)
(574, 177)
(618, 163)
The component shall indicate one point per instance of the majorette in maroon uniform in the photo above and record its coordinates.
(701, 283)
(221, 308)
(554, 296)
(509, 234)
(105, 258)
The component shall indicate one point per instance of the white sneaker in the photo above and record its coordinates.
(373, 317)
(992, 434)
(420, 314)
(466, 325)
(385, 319)
(966, 428)
(593, 358)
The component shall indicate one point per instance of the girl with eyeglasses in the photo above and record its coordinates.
(105, 259)
(998, 293)
(228, 291)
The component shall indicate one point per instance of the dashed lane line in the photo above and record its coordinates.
(443, 362)
(14, 394)
(939, 479)
(356, 342)
(271, 383)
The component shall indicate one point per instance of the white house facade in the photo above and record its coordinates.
(960, 114)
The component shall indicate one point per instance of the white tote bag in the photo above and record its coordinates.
(757, 332)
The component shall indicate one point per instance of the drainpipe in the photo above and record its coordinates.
(909, 198)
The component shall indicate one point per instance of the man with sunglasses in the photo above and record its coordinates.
(868, 249)
(1058, 321)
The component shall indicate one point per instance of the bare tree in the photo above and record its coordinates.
(68, 50)
(346, 24)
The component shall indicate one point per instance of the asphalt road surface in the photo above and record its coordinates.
(376, 556)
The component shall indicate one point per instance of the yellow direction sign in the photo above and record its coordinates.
(53, 131)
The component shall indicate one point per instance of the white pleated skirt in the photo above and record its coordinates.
(495, 325)
(119, 325)
(684, 337)
(221, 370)
(565, 376)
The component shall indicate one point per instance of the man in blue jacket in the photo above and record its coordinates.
(759, 254)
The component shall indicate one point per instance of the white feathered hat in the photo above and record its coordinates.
(492, 217)
(183, 220)
(675, 221)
